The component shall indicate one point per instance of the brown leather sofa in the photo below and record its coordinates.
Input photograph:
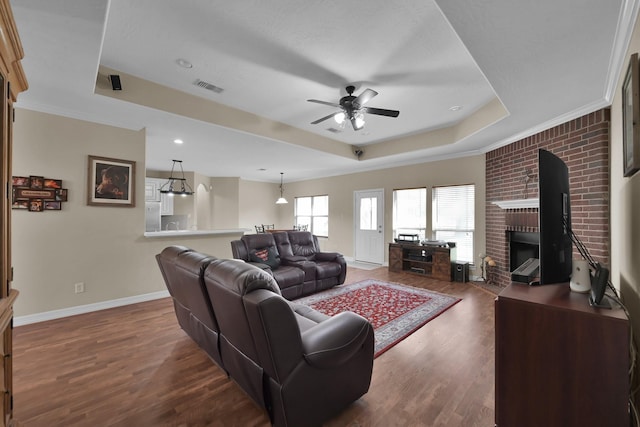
(302, 366)
(294, 259)
(183, 272)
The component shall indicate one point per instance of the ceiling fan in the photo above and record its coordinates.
(352, 108)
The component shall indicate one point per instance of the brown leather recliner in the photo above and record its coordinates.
(299, 364)
(331, 267)
(290, 279)
(183, 271)
(301, 268)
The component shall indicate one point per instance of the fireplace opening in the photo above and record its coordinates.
(522, 246)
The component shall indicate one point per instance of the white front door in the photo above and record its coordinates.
(369, 225)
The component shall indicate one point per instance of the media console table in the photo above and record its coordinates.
(559, 361)
(428, 260)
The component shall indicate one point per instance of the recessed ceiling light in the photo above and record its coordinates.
(455, 108)
(184, 63)
(178, 141)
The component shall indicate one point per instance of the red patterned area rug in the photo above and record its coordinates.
(394, 310)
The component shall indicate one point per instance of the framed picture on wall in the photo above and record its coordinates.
(52, 206)
(37, 182)
(111, 182)
(61, 194)
(52, 183)
(631, 118)
(20, 181)
(36, 205)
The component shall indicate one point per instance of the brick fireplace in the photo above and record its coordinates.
(512, 174)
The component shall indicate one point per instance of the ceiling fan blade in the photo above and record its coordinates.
(324, 118)
(382, 112)
(364, 97)
(331, 104)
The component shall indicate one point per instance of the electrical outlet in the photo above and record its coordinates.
(79, 287)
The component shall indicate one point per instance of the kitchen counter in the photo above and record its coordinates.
(185, 233)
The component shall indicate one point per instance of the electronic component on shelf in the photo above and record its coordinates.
(407, 238)
(599, 282)
(440, 243)
(526, 272)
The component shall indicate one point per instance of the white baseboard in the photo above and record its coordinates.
(88, 308)
(352, 259)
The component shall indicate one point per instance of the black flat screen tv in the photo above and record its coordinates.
(554, 219)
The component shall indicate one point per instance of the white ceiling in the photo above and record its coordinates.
(544, 62)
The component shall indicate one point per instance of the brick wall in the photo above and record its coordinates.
(583, 144)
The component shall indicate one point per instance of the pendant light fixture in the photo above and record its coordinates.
(176, 185)
(281, 200)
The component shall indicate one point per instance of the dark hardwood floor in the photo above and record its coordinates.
(133, 366)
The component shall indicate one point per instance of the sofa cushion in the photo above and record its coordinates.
(268, 256)
(327, 269)
(283, 244)
(302, 244)
(288, 276)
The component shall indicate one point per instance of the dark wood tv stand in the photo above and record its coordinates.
(432, 261)
(559, 361)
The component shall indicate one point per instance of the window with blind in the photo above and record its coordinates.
(410, 212)
(453, 218)
(313, 212)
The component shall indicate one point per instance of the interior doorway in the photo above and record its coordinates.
(369, 226)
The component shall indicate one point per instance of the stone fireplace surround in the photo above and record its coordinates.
(512, 174)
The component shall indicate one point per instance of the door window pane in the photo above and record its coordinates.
(368, 213)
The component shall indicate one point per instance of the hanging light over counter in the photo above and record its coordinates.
(281, 200)
(177, 185)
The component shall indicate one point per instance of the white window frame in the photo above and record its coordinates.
(466, 222)
(312, 216)
(399, 228)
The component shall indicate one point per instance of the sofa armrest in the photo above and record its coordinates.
(336, 340)
(328, 256)
(292, 260)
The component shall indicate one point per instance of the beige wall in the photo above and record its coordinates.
(103, 247)
(468, 170)
(225, 206)
(257, 205)
(625, 209)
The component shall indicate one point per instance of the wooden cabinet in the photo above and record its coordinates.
(12, 82)
(152, 194)
(432, 261)
(151, 190)
(559, 361)
(166, 204)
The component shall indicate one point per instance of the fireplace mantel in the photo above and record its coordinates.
(517, 204)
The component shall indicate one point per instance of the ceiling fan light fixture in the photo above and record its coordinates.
(340, 117)
(359, 121)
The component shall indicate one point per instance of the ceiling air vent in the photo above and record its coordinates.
(208, 86)
(334, 130)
